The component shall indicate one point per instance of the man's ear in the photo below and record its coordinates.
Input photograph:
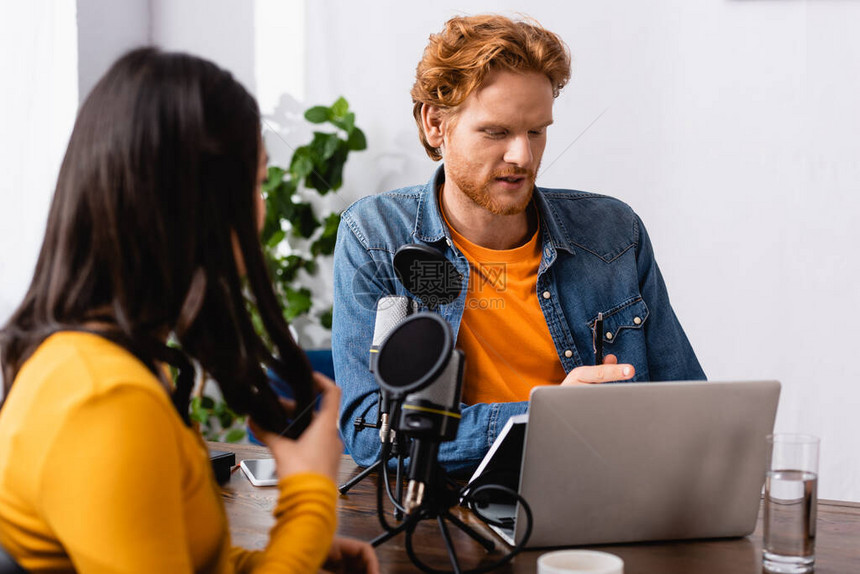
(433, 122)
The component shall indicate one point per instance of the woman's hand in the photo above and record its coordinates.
(610, 370)
(319, 448)
(350, 556)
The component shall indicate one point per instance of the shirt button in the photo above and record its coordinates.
(546, 295)
(637, 320)
(609, 335)
(568, 353)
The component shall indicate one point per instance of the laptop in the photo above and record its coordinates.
(633, 462)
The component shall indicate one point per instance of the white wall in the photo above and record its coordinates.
(730, 126)
(221, 30)
(38, 100)
(106, 30)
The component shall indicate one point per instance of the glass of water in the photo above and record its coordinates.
(790, 503)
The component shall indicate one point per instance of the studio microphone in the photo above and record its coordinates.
(390, 310)
(431, 416)
(418, 365)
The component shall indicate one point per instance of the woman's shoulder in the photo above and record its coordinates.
(71, 369)
(79, 394)
(86, 363)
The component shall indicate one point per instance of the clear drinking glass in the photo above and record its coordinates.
(791, 503)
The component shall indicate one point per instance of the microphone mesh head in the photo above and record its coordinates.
(390, 310)
(446, 391)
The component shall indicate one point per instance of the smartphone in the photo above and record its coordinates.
(260, 471)
(299, 421)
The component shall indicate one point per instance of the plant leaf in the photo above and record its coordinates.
(326, 318)
(347, 124)
(304, 221)
(234, 435)
(302, 163)
(340, 107)
(197, 413)
(324, 245)
(298, 302)
(331, 145)
(275, 238)
(356, 140)
(290, 270)
(317, 114)
(322, 147)
(274, 176)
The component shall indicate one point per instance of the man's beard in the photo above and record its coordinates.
(479, 191)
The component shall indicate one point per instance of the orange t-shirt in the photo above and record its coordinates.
(503, 332)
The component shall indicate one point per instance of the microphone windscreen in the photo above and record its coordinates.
(414, 353)
(427, 274)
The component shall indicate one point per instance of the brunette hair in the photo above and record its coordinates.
(458, 59)
(159, 176)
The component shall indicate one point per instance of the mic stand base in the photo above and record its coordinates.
(397, 450)
(346, 486)
(436, 506)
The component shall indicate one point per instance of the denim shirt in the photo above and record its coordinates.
(596, 257)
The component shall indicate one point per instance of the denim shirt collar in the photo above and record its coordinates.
(431, 228)
(554, 230)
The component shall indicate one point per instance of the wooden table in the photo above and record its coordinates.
(249, 510)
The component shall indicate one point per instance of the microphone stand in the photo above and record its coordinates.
(442, 493)
(436, 505)
(398, 448)
(410, 263)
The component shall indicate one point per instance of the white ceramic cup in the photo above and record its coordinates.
(579, 562)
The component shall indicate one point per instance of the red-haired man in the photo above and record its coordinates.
(541, 264)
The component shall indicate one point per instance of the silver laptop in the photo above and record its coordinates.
(634, 462)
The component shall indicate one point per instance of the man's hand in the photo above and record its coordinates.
(350, 556)
(609, 371)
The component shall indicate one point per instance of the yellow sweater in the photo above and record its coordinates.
(99, 474)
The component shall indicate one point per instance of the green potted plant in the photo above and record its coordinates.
(294, 237)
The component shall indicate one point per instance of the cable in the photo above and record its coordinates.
(384, 456)
(468, 493)
(386, 479)
(474, 502)
(380, 510)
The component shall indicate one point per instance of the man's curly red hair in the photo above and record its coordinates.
(458, 59)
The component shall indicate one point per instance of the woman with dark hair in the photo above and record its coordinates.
(153, 225)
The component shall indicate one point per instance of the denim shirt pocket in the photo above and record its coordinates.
(622, 320)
